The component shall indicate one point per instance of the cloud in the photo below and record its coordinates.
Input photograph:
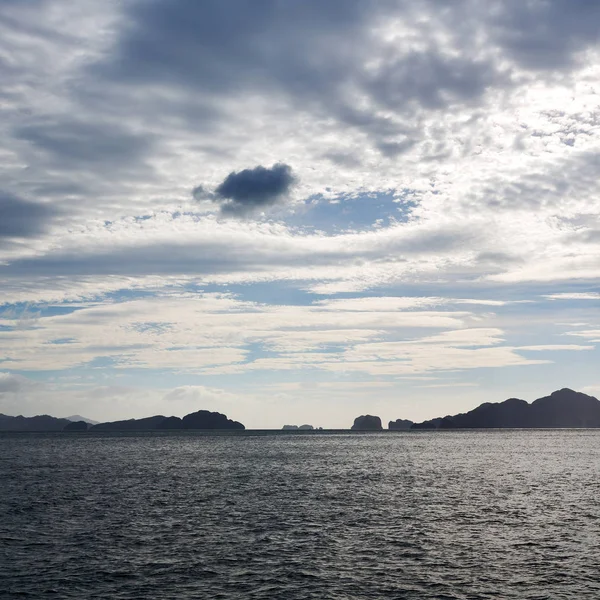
(278, 50)
(23, 219)
(224, 44)
(215, 334)
(20, 395)
(252, 189)
(574, 296)
(80, 144)
(11, 383)
(546, 35)
(186, 244)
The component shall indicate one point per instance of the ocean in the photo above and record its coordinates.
(402, 515)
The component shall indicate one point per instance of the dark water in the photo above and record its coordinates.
(513, 514)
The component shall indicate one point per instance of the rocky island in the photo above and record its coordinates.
(564, 408)
(202, 419)
(367, 423)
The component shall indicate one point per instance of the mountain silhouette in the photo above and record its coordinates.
(563, 408)
(202, 419)
(37, 423)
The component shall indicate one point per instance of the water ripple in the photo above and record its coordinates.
(454, 515)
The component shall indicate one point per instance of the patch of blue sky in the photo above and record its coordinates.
(476, 289)
(27, 311)
(62, 341)
(258, 350)
(123, 295)
(295, 293)
(272, 293)
(352, 212)
(103, 362)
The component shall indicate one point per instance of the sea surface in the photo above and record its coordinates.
(445, 515)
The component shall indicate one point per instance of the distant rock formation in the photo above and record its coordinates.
(400, 424)
(564, 408)
(37, 423)
(290, 428)
(76, 426)
(367, 423)
(306, 427)
(203, 419)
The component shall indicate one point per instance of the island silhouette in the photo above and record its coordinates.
(367, 423)
(202, 419)
(564, 408)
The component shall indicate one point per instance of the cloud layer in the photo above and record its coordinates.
(21, 218)
(377, 152)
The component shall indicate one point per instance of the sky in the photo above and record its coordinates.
(297, 212)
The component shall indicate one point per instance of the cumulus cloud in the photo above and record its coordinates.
(245, 191)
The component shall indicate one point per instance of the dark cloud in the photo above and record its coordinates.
(546, 34)
(20, 218)
(218, 44)
(80, 143)
(393, 149)
(251, 189)
(432, 80)
(202, 258)
(310, 52)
